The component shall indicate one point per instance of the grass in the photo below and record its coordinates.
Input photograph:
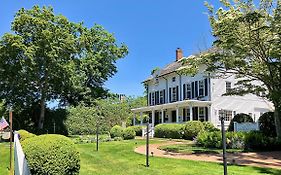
(118, 158)
(193, 149)
(4, 158)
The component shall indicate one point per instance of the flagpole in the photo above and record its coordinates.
(11, 137)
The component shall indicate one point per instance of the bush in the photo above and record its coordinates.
(137, 129)
(239, 118)
(192, 129)
(234, 140)
(51, 154)
(208, 126)
(25, 135)
(173, 131)
(116, 131)
(255, 140)
(267, 124)
(129, 133)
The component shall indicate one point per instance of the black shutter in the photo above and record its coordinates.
(184, 114)
(192, 88)
(206, 112)
(184, 90)
(156, 98)
(196, 89)
(149, 99)
(177, 93)
(170, 95)
(164, 96)
(206, 86)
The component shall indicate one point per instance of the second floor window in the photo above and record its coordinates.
(162, 100)
(201, 88)
(174, 94)
(227, 86)
(188, 91)
(152, 99)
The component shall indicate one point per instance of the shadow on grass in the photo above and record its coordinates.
(261, 170)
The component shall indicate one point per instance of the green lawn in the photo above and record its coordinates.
(192, 149)
(118, 158)
(4, 158)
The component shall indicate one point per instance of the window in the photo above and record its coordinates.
(227, 87)
(188, 91)
(174, 94)
(227, 114)
(201, 114)
(173, 79)
(201, 88)
(161, 97)
(188, 114)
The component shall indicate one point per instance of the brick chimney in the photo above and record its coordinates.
(179, 54)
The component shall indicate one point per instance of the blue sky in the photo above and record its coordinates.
(152, 29)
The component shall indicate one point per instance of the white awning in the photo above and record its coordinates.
(184, 103)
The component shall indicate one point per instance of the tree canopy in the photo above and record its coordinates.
(248, 45)
(48, 57)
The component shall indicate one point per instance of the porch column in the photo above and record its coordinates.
(209, 112)
(177, 114)
(153, 118)
(141, 119)
(134, 120)
(190, 112)
(162, 116)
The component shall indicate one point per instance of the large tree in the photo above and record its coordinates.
(47, 57)
(248, 45)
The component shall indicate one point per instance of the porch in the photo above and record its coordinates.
(176, 112)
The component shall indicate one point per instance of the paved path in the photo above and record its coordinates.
(259, 159)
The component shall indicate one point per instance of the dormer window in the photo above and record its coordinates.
(173, 79)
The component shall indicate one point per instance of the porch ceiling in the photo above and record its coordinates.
(183, 103)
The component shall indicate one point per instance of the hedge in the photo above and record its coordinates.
(116, 131)
(128, 133)
(51, 154)
(173, 131)
(24, 135)
(192, 129)
(137, 129)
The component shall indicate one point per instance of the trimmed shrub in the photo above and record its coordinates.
(239, 118)
(173, 131)
(138, 130)
(51, 154)
(255, 140)
(267, 124)
(129, 133)
(192, 129)
(234, 140)
(25, 135)
(116, 131)
(208, 126)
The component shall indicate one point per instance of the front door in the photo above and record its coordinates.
(174, 116)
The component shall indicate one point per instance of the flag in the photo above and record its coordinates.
(3, 123)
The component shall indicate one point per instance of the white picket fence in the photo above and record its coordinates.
(21, 166)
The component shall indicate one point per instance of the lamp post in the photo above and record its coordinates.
(222, 118)
(11, 137)
(147, 144)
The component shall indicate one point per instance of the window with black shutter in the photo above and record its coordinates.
(184, 114)
(177, 94)
(193, 90)
(150, 99)
(164, 100)
(206, 113)
(206, 86)
(196, 89)
(170, 95)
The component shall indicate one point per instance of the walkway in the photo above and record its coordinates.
(259, 159)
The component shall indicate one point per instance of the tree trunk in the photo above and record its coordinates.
(277, 117)
(42, 112)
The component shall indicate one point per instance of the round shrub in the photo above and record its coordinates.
(173, 131)
(129, 133)
(25, 135)
(51, 154)
(116, 131)
(138, 129)
(239, 118)
(209, 139)
(192, 129)
(208, 126)
(267, 124)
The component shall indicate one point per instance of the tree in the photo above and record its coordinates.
(248, 45)
(48, 57)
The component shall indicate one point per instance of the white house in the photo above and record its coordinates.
(176, 98)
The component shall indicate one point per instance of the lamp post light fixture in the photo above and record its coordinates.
(222, 118)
